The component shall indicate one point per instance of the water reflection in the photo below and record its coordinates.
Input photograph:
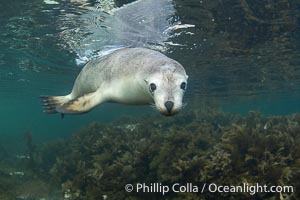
(143, 23)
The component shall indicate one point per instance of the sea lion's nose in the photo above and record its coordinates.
(169, 105)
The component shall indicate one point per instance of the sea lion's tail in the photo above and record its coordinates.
(50, 103)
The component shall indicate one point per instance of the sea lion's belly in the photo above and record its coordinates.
(128, 90)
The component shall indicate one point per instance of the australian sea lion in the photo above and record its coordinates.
(134, 76)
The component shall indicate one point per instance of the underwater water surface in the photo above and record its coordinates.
(241, 56)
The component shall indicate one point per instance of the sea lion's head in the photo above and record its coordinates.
(167, 87)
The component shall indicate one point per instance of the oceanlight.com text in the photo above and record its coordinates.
(251, 189)
(211, 187)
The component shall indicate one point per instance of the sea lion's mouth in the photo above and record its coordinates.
(169, 114)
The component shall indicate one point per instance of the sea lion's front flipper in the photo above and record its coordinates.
(79, 105)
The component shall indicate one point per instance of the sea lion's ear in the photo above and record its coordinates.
(146, 81)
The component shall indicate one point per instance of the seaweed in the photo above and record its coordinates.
(30, 148)
(196, 147)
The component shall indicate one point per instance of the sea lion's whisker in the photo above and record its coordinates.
(183, 105)
(152, 105)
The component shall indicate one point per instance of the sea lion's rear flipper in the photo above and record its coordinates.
(79, 105)
(63, 104)
(51, 102)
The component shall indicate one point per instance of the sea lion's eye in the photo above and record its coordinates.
(183, 86)
(152, 87)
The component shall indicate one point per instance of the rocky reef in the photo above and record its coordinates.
(195, 147)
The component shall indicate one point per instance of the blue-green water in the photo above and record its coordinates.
(240, 56)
